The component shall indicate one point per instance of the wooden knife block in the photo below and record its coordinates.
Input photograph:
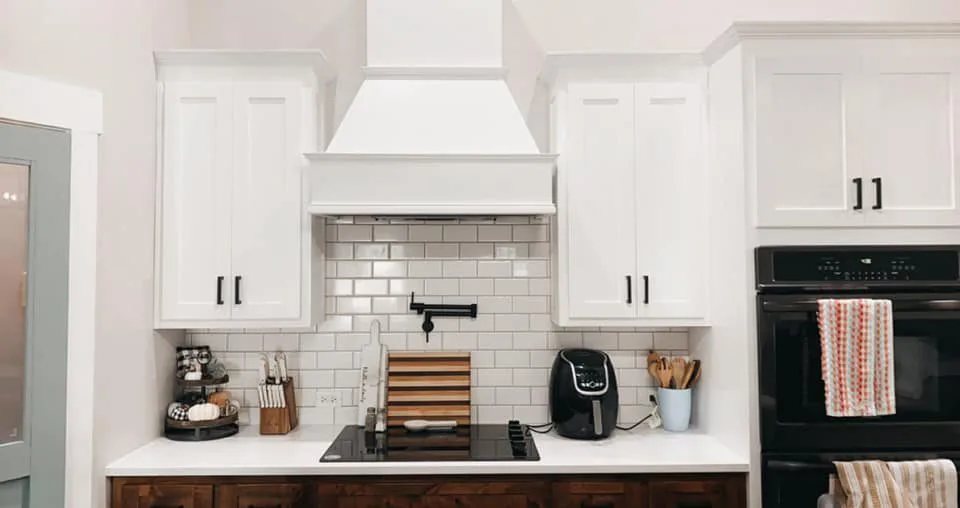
(280, 420)
(428, 386)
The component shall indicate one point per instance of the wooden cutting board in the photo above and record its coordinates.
(431, 385)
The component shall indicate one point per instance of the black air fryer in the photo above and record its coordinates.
(583, 394)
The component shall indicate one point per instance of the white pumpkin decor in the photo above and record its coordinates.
(202, 412)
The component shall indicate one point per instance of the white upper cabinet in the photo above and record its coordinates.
(630, 233)
(234, 242)
(853, 132)
(601, 235)
(808, 171)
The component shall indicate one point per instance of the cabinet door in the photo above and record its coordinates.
(166, 496)
(452, 501)
(268, 213)
(694, 494)
(278, 495)
(598, 494)
(600, 238)
(807, 149)
(911, 141)
(672, 207)
(194, 219)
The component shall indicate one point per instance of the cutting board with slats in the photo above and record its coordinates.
(428, 386)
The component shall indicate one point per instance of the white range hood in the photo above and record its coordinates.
(433, 129)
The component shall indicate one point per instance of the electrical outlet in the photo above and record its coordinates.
(328, 398)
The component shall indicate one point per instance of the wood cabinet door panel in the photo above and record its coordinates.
(453, 501)
(692, 494)
(166, 496)
(281, 495)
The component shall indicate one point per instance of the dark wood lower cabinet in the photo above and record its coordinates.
(507, 491)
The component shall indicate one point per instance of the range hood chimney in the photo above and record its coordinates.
(433, 129)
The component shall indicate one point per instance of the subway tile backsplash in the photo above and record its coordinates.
(372, 267)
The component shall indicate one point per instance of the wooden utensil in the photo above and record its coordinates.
(663, 373)
(653, 365)
(688, 374)
(693, 375)
(696, 375)
(677, 368)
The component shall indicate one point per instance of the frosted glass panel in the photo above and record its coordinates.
(13, 292)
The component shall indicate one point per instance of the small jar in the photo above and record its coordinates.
(370, 420)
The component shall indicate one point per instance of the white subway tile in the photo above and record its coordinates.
(508, 287)
(636, 340)
(532, 233)
(531, 415)
(631, 376)
(476, 287)
(370, 287)
(351, 341)
(339, 287)
(483, 395)
(511, 250)
(495, 341)
(281, 342)
(495, 233)
(628, 395)
(441, 287)
(542, 358)
(346, 378)
(603, 340)
(389, 268)
(346, 397)
(340, 220)
(540, 394)
(491, 304)
(390, 304)
(540, 287)
(455, 269)
(494, 414)
(394, 341)
(494, 377)
(390, 233)
(476, 250)
(406, 286)
(459, 300)
(216, 341)
(330, 306)
(405, 322)
(316, 378)
(526, 268)
(513, 395)
(483, 359)
(406, 251)
(531, 377)
(335, 324)
(482, 323)
(671, 340)
(460, 341)
(339, 251)
(426, 233)
(354, 233)
(511, 322)
(353, 305)
(331, 233)
(346, 269)
(245, 342)
(442, 250)
(372, 251)
(530, 304)
(320, 415)
(236, 360)
(513, 358)
(539, 250)
(330, 268)
(560, 340)
(418, 341)
(541, 323)
(302, 360)
(423, 269)
(530, 340)
(494, 269)
(244, 379)
(632, 414)
(335, 360)
(623, 359)
(317, 342)
(459, 233)
(345, 415)
(643, 396)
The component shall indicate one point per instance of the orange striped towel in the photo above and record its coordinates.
(856, 341)
(911, 484)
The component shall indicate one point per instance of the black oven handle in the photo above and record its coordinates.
(796, 466)
(898, 305)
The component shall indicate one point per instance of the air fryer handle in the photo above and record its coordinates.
(597, 418)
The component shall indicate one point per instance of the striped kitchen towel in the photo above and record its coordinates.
(911, 484)
(856, 341)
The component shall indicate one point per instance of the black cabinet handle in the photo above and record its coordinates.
(646, 289)
(220, 290)
(878, 187)
(587, 504)
(236, 290)
(629, 289)
(859, 183)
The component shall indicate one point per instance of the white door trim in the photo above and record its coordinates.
(34, 100)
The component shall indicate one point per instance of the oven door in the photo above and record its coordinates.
(926, 370)
(798, 480)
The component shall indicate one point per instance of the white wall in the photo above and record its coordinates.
(107, 45)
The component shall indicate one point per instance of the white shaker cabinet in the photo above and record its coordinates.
(631, 226)
(235, 246)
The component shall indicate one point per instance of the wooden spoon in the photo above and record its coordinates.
(663, 372)
(678, 366)
(688, 374)
(653, 365)
(697, 370)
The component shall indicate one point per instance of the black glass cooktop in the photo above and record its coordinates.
(475, 442)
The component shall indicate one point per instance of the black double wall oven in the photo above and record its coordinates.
(798, 440)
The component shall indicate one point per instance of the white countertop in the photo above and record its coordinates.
(298, 453)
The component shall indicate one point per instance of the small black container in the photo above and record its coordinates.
(584, 403)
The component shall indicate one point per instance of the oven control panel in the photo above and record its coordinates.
(854, 264)
(863, 269)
